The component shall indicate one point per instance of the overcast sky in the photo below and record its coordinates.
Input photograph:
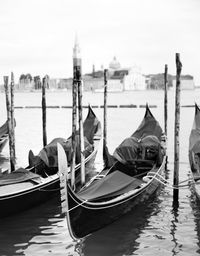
(37, 36)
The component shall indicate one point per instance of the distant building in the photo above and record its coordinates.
(187, 82)
(119, 79)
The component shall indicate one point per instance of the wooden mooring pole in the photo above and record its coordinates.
(105, 115)
(12, 88)
(74, 122)
(177, 127)
(10, 119)
(165, 105)
(44, 117)
(165, 97)
(80, 119)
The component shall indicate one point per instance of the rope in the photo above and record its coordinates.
(77, 206)
(165, 182)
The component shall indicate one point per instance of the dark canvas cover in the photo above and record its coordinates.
(114, 184)
(17, 176)
(49, 153)
(146, 148)
(127, 150)
(4, 129)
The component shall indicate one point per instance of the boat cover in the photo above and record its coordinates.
(194, 141)
(194, 144)
(49, 153)
(92, 131)
(17, 176)
(131, 149)
(111, 185)
(4, 129)
(127, 150)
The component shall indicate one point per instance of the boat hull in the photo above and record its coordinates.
(86, 218)
(28, 198)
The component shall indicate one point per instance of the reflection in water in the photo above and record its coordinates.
(173, 226)
(34, 231)
(120, 238)
(195, 205)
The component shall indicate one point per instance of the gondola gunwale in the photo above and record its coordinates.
(134, 193)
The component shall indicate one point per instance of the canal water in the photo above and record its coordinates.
(157, 227)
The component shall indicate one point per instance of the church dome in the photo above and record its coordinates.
(114, 64)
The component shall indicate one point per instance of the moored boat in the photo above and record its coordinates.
(138, 165)
(3, 135)
(194, 151)
(27, 187)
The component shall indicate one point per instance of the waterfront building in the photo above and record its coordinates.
(187, 82)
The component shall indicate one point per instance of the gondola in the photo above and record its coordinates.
(194, 151)
(27, 187)
(138, 165)
(3, 135)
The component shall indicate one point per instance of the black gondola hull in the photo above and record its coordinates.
(84, 221)
(17, 202)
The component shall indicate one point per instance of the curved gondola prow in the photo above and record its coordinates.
(63, 176)
(148, 126)
(148, 112)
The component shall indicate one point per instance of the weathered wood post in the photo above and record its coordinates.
(12, 88)
(8, 107)
(81, 133)
(74, 122)
(165, 98)
(105, 115)
(177, 127)
(76, 67)
(165, 105)
(44, 117)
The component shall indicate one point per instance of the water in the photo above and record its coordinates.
(156, 228)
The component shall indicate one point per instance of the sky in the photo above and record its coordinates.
(37, 36)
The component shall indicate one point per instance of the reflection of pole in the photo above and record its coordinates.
(173, 226)
(44, 118)
(11, 141)
(105, 114)
(177, 126)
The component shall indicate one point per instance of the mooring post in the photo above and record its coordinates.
(12, 88)
(74, 122)
(165, 105)
(76, 70)
(8, 107)
(177, 126)
(165, 97)
(81, 134)
(44, 117)
(105, 114)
